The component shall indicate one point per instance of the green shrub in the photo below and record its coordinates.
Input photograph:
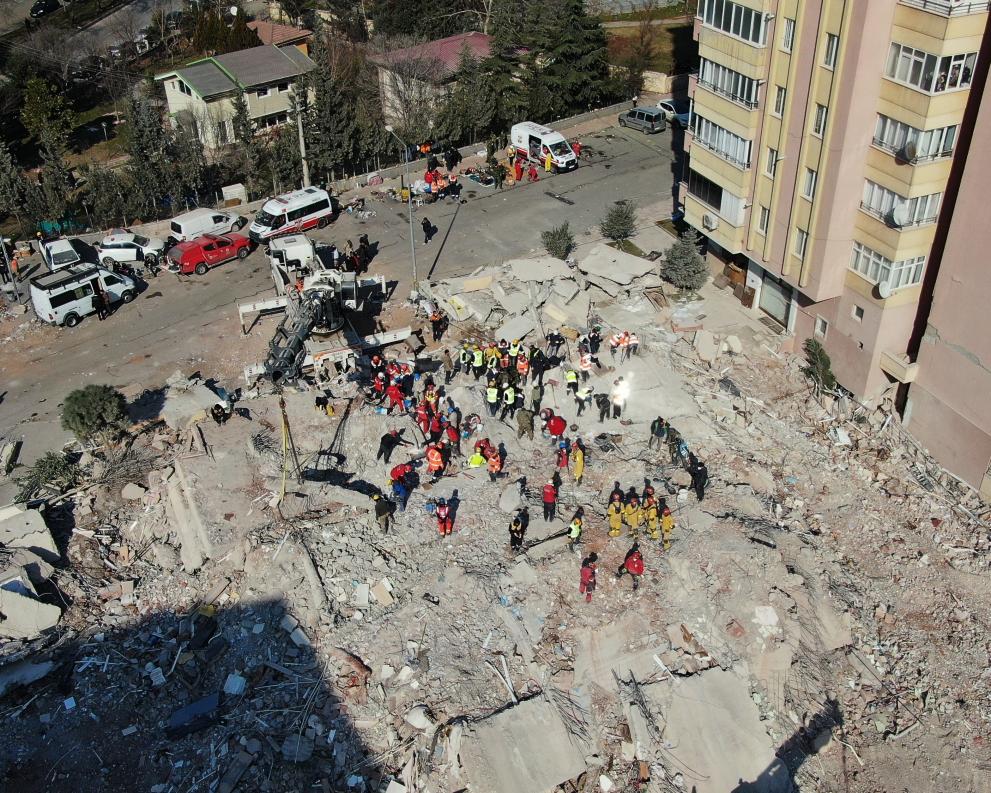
(96, 412)
(558, 241)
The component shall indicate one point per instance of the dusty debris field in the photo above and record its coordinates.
(819, 622)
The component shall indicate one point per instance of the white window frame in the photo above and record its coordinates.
(880, 202)
(877, 268)
(821, 327)
(763, 219)
(780, 97)
(729, 18)
(771, 163)
(721, 142)
(801, 243)
(934, 144)
(830, 51)
(788, 34)
(820, 117)
(809, 184)
(728, 83)
(857, 313)
(928, 73)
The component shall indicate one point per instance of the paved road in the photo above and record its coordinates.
(13, 13)
(123, 23)
(192, 324)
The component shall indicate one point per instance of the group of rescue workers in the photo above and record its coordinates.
(507, 368)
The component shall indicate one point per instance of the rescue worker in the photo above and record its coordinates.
(383, 511)
(516, 533)
(632, 346)
(445, 523)
(633, 515)
(562, 454)
(549, 495)
(603, 403)
(492, 397)
(632, 564)
(571, 378)
(585, 365)
(531, 173)
(464, 358)
(492, 351)
(494, 466)
(514, 351)
(617, 343)
(583, 398)
(518, 170)
(524, 423)
(615, 515)
(508, 402)
(435, 462)
(548, 161)
(396, 398)
(388, 444)
(658, 433)
(594, 340)
(577, 462)
(586, 585)
(574, 533)
(536, 395)
(617, 492)
(477, 459)
(555, 340)
(438, 324)
(522, 367)
(556, 425)
(447, 362)
(453, 436)
(618, 397)
(436, 428)
(652, 516)
(667, 524)
(477, 361)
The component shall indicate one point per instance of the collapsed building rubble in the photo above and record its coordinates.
(241, 622)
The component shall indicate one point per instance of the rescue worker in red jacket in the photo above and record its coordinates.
(395, 398)
(550, 500)
(632, 564)
(556, 425)
(445, 523)
(436, 429)
(586, 584)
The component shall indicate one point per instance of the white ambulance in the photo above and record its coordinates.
(533, 142)
(293, 213)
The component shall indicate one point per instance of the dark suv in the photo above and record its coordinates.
(43, 7)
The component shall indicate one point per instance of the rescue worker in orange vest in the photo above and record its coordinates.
(615, 514)
(495, 465)
(445, 523)
(435, 462)
(522, 367)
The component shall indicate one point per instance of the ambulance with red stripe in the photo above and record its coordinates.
(292, 213)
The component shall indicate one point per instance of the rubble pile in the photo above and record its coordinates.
(230, 621)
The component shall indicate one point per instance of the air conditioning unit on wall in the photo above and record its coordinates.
(710, 222)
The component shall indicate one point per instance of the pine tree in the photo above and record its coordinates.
(819, 368)
(683, 264)
(469, 112)
(150, 161)
(620, 221)
(95, 411)
(503, 73)
(249, 154)
(558, 241)
(105, 196)
(46, 111)
(577, 70)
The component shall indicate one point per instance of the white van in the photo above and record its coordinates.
(65, 296)
(292, 213)
(62, 253)
(198, 222)
(533, 142)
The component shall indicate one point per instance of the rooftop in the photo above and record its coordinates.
(245, 69)
(279, 35)
(446, 51)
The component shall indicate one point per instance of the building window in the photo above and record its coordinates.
(832, 46)
(819, 120)
(788, 35)
(283, 87)
(914, 144)
(734, 19)
(857, 312)
(879, 269)
(822, 327)
(779, 100)
(801, 242)
(728, 83)
(771, 163)
(705, 190)
(763, 220)
(809, 186)
(261, 92)
(224, 135)
(183, 88)
(720, 141)
(929, 73)
(898, 211)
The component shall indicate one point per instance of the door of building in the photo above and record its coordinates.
(775, 298)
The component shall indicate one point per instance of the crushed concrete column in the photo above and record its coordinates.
(194, 543)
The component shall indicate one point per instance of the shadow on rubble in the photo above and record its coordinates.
(220, 699)
(794, 751)
(148, 405)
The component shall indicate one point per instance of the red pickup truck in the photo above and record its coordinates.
(200, 254)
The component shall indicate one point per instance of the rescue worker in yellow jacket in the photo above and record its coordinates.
(667, 526)
(652, 515)
(633, 515)
(615, 514)
(577, 463)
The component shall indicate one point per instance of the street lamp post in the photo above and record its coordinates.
(409, 204)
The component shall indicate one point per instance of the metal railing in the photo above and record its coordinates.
(899, 152)
(727, 95)
(888, 218)
(719, 153)
(949, 9)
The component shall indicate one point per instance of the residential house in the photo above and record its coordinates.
(282, 35)
(200, 95)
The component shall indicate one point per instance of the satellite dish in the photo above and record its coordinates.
(899, 215)
(910, 151)
(235, 11)
(884, 289)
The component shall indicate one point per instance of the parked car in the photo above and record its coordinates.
(201, 221)
(675, 111)
(65, 296)
(44, 7)
(200, 254)
(646, 119)
(64, 253)
(123, 246)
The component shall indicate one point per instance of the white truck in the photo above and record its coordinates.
(65, 296)
(534, 142)
(297, 256)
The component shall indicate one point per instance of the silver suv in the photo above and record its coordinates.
(646, 119)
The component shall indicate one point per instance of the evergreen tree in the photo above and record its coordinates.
(503, 72)
(558, 241)
(105, 196)
(470, 110)
(95, 412)
(683, 265)
(151, 161)
(577, 65)
(620, 221)
(48, 199)
(240, 36)
(249, 154)
(46, 111)
(819, 368)
(13, 187)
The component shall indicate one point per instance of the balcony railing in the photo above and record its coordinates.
(727, 95)
(899, 152)
(947, 9)
(720, 153)
(889, 220)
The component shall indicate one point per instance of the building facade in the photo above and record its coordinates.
(821, 142)
(200, 96)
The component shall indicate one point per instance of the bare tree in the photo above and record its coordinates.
(411, 84)
(125, 29)
(55, 51)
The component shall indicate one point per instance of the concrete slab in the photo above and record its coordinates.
(606, 649)
(184, 405)
(26, 528)
(715, 729)
(603, 261)
(540, 268)
(498, 754)
(516, 327)
(24, 617)
(706, 346)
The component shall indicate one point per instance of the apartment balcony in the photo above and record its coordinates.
(939, 26)
(736, 114)
(707, 219)
(899, 367)
(920, 109)
(945, 8)
(748, 59)
(734, 176)
(918, 176)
